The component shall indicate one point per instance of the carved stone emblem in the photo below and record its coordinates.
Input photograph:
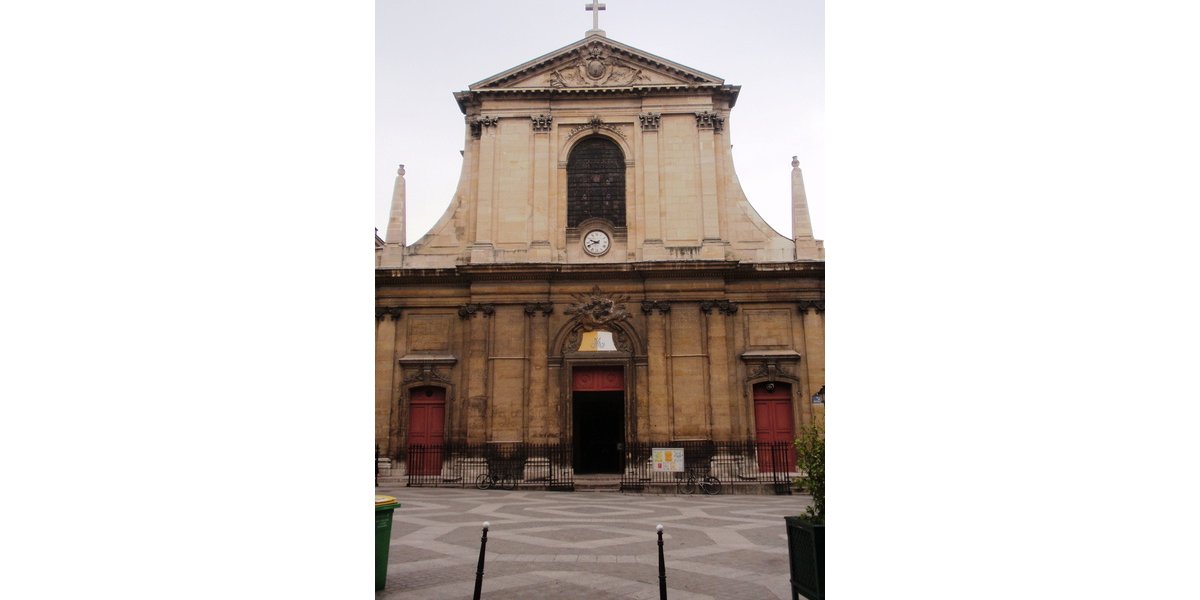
(595, 310)
(595, 124)
(594, 67)
(425, 374)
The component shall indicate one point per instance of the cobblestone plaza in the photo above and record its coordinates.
(587, 545)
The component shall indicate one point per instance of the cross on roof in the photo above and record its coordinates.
(595, 7)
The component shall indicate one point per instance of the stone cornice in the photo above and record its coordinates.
(472, 97)
(464, 274)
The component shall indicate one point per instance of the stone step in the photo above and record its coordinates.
(597, 483)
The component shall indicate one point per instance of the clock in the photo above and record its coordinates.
(595, 242)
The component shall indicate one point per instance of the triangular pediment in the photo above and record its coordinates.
(596, 62)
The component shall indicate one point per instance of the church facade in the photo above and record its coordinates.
(599, 279)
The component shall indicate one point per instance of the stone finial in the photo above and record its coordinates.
(393, 248)
(802, 234)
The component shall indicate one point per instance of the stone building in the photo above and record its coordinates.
(599, 277)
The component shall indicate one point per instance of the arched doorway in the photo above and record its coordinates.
(598, 418)
(773, 424)
(426, 429)
(596, 182)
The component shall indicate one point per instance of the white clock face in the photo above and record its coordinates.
(595, 242)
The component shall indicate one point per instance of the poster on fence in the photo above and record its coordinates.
(668, 459)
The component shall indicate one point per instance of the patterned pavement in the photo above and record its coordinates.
(587, 545)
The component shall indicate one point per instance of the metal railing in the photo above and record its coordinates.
(744, 464)
(741, 466)
(546, 466)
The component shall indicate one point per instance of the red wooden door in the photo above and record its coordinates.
(598, 379)
(426, 417)
(773, 423)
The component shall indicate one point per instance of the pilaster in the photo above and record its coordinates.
(478, 350)
(813, 316)
(386, 322)
(650, 202)
(485, 218)
(539, 248)
(706, 125)
(538, 411)
(657, 350)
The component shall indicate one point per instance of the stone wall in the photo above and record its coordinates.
(692, 346)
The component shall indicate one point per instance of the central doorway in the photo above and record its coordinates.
(598, 419)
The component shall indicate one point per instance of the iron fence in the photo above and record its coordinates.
(739, 465)
(546, 466)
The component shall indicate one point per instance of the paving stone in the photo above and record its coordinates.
(590, 546)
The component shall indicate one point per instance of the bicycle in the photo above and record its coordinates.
(488, 480)
(707, 484)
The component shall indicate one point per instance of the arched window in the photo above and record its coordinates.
(596, 182)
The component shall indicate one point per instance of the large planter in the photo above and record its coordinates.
(806, 558)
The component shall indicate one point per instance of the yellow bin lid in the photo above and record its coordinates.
(384, 500)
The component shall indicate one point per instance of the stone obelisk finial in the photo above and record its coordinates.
(393, 249)
(802, 234)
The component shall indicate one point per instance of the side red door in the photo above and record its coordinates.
(773, 423)
(427, 417)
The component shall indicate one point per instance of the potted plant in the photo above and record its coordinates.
(806, 533)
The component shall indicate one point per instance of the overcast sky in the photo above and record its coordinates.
(426, 51)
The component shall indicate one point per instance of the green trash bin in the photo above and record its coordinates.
(384, 505)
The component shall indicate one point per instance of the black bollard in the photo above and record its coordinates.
(479, 573)
(662, 568)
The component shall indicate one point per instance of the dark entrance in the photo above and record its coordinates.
(598, 418)
(599, 431)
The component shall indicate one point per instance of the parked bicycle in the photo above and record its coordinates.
(489, 480)
(688, 484)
